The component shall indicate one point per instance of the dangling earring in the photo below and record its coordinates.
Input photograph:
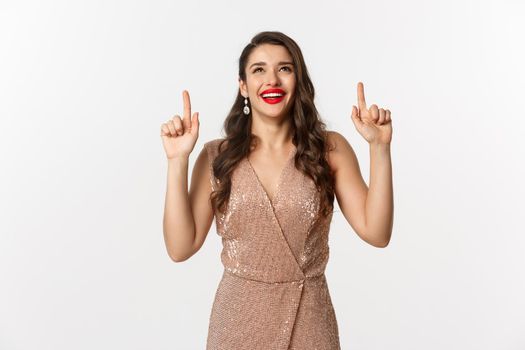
(246, 109)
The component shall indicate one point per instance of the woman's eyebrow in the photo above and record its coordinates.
(264, 63)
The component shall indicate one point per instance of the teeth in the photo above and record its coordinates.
(273, 94)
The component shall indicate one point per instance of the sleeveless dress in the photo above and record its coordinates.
(273, 293)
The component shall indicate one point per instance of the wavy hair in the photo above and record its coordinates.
(308, 130)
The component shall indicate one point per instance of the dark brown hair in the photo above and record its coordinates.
(308, 130)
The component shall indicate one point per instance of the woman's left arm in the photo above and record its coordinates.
(368, 209)
(375, 125)
(380, 199)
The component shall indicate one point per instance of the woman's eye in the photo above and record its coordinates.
(257, 69)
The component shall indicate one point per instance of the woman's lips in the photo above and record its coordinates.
(273, 100)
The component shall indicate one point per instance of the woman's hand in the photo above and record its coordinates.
(179, 136)
(374, 124)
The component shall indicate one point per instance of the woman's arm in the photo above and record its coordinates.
(368, 210)
(380, 198)
(187, 217)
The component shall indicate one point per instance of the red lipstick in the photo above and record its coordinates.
(277, 95)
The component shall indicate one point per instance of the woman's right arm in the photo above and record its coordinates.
(187, 216)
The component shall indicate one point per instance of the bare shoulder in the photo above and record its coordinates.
(339, 150)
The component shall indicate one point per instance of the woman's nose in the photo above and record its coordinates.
(273, 78)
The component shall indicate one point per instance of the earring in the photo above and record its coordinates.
(246, 109)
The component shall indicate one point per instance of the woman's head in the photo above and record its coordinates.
(277, 51)
(269, 71)
(284, 64)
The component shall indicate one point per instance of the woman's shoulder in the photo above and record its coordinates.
(334, 139)
(212, 146)
(214, 142)
(338, 149)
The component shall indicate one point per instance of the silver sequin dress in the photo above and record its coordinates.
(273, 293)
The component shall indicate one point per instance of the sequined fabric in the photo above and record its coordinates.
(273, 293)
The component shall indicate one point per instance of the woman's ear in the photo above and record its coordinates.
(242, 88)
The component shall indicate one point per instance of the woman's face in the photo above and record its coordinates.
(270, 68)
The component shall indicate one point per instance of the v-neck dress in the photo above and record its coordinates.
(273, 293)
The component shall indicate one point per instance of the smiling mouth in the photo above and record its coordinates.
(272, 98)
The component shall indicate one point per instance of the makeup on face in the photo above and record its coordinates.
(272, 75)
(273, 96)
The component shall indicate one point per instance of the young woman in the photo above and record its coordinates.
(270, 184)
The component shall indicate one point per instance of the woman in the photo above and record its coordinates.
(270, 183)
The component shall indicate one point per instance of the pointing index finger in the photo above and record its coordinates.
(186, 117)
(361, 96)
(187, 105)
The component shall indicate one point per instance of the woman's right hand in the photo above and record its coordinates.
(179, 136)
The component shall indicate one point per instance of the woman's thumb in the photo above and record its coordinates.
(357, 121)
(195, 122)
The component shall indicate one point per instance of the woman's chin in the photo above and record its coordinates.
(273, 115)
(273, 112)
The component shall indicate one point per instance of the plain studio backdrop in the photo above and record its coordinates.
(85, 87)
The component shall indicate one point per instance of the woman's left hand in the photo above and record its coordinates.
(374, 124)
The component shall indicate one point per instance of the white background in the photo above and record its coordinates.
(86, 85)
